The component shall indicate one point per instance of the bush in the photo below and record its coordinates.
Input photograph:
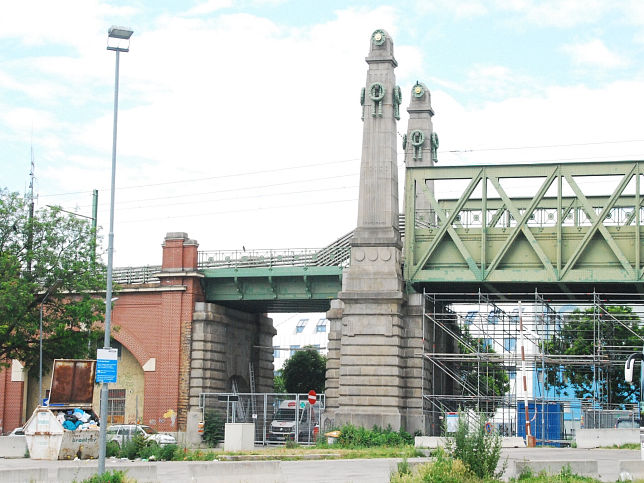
(475, 447)
(108, 477)
(151, 450)
(442, 470)
(132, 448)
(213, 429)
(169, 452)
(112, 449)
(358, 437)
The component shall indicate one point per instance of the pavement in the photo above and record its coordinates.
(606, 463)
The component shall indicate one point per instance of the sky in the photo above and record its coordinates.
(239, 121)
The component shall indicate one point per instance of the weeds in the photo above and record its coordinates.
(475, 447)
(108, 477)
(358, 437)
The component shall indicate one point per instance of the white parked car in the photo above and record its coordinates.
(17, 432)
(121, 433)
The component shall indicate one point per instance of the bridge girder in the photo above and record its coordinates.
(563, 226)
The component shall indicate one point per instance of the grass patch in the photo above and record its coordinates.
(622, 446)
(109, 477)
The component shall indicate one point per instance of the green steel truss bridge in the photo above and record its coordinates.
(561, 228)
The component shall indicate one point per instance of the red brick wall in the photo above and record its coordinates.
(157, 324)
(11, 401)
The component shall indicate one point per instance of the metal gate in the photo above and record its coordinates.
(278, 417)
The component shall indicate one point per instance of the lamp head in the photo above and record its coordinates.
(118, 38)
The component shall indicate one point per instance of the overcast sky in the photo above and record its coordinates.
(239, 121)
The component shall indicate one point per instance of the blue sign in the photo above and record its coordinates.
(106, 365)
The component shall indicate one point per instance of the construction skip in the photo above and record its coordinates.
(70, 406)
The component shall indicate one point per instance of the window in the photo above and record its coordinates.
(494, 316)
(276, 353)
(321, 327)
(487, 343)
(116, 406)
(469, 318)
(510, 344)
(299, 328)
(294, 349)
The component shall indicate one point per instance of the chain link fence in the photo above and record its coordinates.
(278, 417)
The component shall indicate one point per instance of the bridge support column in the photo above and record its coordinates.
(224, 342)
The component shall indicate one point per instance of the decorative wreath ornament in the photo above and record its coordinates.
(378, 37)
(397, 102)
(362, 97)
(418, 90)
(417, 139)
(377, 94)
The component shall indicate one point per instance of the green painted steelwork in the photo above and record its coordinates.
(274, 289)
(563, 225)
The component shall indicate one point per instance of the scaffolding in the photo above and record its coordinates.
(476, 345)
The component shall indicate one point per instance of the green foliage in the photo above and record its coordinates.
(475, 447)
(213, 428)
(132, 448)
(618, 329)
(196, 455)
(112, 449)
(305, 370)
(169, 452)
(358, 437)
(487, 378)
(278, 383)
(565, 476)
(108, 477)
(442, 470)
(48, 255)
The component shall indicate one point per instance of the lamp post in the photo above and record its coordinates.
(118, 40)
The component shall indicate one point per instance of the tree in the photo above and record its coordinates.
(305, 370)
(485, 378)
(611, 332)
(47, 259)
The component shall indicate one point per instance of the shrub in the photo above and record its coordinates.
(169, 452)
(112, 449)
(475, 447)
(151, 449)
(442, 470)
(108, 477)
(132, 448)
(213, 428)
(358, 437)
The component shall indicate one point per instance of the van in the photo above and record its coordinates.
(284, 425)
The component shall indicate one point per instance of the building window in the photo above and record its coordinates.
(487, 344)
(321, 327)
(469, 318)
(299, 328)
(276, 353)
(294, 349)
(116, 406)
(510, 344)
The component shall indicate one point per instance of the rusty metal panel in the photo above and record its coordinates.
(72, 382)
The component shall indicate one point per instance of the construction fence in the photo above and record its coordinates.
(278, 417)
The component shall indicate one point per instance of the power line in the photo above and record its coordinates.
(255, 208)
(223, 176)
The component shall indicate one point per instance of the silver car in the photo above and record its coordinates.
(121, 433)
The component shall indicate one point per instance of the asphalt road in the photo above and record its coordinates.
(323, 471)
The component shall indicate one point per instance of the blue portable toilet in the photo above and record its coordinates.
(546, 420)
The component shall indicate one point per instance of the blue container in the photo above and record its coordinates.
(546, 419)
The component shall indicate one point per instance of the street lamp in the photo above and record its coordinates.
(118, 40)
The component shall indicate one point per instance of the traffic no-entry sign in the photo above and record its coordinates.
(312, 397)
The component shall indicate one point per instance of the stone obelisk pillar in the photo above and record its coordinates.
(365, 376)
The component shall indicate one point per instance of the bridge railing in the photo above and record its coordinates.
(128, 275)
(303, 257)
